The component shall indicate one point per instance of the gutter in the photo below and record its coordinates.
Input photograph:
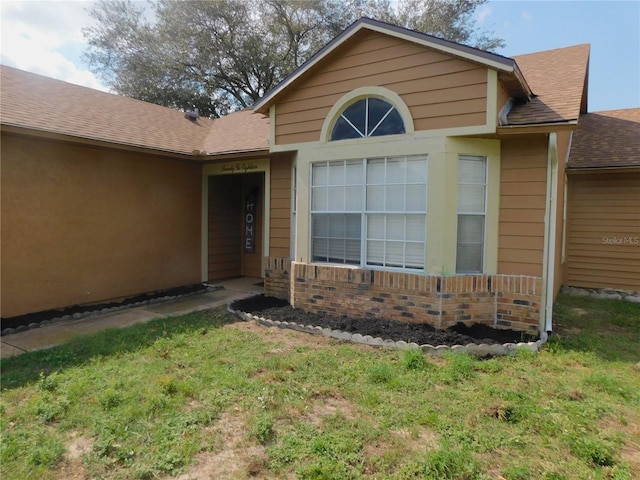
(550, 232)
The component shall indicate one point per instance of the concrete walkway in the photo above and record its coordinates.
(60, 332)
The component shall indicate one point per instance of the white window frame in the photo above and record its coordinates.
(482, 213)
(366, 214)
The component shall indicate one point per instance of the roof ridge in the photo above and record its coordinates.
(520, 55)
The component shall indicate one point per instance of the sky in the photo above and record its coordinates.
(45, 37)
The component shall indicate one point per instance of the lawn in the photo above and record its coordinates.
(203, 396)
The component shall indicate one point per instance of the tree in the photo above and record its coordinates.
(222, 55)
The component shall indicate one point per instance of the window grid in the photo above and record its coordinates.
(472, 208)
(361, 119)
(399, 239)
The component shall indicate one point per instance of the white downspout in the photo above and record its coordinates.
(548, 273)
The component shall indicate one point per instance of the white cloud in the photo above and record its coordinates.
(526, 16)
(484, 13)
(35, 32)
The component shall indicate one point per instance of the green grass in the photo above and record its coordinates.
(181, 394)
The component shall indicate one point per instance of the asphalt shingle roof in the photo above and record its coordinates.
(41, 103)
(607, 139)
(558, 80)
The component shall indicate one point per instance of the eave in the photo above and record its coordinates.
(537, 128)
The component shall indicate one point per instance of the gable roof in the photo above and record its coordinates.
(609, 139)
(43, 104)
(558, 79)
(507, 66)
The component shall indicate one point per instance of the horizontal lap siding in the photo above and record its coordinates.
(522, 205)
(603, 231)
(440, 91)
(280, 225)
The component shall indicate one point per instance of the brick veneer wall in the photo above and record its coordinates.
(508, 301)
(277, 281)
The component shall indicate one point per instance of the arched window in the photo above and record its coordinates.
(368, 117)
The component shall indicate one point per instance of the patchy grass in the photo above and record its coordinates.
(201, 397)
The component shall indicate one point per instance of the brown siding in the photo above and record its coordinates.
(280, 225)
(225, 227)
(523, 179)
(440, 91)
(603, 231)
(83, 224)
(227, 258)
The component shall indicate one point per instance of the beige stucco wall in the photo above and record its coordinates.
(85, 224)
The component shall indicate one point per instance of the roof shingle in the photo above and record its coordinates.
(608, 139)
(558, 80)
(35, 102)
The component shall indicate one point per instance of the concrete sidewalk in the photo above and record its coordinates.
(60, 332)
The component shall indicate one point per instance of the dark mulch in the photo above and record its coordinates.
(420, 333)
(37, 317)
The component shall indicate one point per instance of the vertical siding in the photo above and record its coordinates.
(225, 227)
(603, 230)
(280, 225)
(523, 180)
(441, 91)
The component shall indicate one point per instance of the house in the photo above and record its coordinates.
(601, 246)
(394, 174)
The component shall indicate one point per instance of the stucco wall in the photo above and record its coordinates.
(83, 224)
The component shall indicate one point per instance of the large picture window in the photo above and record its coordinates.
(370, 212)
(472, 193)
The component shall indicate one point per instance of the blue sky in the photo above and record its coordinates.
(44, 36)
(611, 27)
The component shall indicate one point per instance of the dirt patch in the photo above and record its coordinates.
(327, 407)
(73, 467)
(234, 457)
(420, 333)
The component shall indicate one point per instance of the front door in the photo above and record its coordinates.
(235, 239)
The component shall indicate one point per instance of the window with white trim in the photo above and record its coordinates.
(370, 212)
(368, 117)
(472, 210)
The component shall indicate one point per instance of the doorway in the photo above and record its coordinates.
(235, 225)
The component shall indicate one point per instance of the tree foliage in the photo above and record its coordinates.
(222, 55)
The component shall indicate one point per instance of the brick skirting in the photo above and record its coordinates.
(276, 277)
(508, 301)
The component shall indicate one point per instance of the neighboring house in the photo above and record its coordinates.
(394, 174)
(602, 233)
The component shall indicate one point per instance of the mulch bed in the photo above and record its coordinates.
(420, 333)
(37, 317)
